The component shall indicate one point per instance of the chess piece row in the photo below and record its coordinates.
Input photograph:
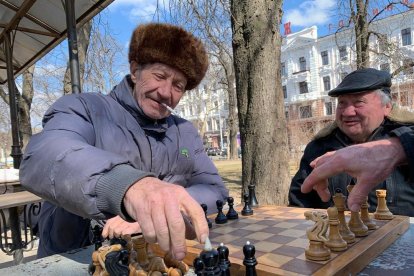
(341, 233)
(231, 214)
(212, 262)
(133, 257)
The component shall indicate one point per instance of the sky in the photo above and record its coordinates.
(124, 15)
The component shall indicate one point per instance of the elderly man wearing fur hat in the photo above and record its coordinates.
(369, 136)
(123, 156)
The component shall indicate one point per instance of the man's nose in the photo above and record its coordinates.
(165, 89)
(349, 110)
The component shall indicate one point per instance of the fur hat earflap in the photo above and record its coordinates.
(171, 45)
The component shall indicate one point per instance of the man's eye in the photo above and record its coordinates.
(159, 76)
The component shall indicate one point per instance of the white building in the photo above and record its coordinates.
(310, 67)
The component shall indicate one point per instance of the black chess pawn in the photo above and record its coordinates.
(198, 266)
(221, 217)
(231, 214)
(204, 206)
(210, 261)
(252, 196)
(249, 260)
(224, 262)
(247, 211)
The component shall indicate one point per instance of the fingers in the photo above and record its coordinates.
(197, 217)
(176, 230)
(359, 194)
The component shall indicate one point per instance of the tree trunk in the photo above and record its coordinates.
(83, 35)
(361, 34)
(262, 122)
(24, 103)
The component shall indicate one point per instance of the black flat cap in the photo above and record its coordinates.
(362, 80)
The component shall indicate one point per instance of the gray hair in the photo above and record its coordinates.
(385, 97)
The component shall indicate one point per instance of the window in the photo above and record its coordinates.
(385, 67)
(325, 58)
(328, 108)
(302, 64)
(283, 70)
(404, 98)
(287, 114)
(343, 54)
(305, 111)
(327, 83)
(303, 87)
(408, 68)
(343, 75)
(284, 92)
(406, 36)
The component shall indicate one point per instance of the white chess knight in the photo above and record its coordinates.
(318, 231)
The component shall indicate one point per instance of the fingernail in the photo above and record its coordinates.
(203, 238)
(180, 256)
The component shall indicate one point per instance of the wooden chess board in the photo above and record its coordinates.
(279, 235)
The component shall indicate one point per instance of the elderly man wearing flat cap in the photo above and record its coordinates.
(123, 156)
(364, 114)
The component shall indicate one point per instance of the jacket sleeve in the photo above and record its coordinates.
(296, 197)
(406, 136)
(205, 184)
(61, 164)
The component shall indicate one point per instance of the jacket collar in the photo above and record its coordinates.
(123, 94)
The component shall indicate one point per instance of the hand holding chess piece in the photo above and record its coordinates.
(355, 223)
(317, 251)
(344, 231)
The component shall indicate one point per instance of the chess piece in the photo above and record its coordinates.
(224, 262)
(210, 257)
(252, 196)
(247, 211)
(141, 247)
(317, 251)
(116, 263)
(171, 262)
(249, 260)
(198, 266)
(97, 236)
(231, 214)
(209, 223)
(382, 212)
(335, 242)
(355, 223)
(365, 217)
(339, 201)
(221, 217)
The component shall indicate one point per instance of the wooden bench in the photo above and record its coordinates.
(18, 199)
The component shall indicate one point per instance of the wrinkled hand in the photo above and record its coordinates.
(116, 227)
(157, 206)
(370, 163)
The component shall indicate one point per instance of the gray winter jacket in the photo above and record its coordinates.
(94, 147)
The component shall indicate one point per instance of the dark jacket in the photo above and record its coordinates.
(93, 147)
(399, 185)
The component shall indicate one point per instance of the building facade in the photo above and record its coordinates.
(310, 67)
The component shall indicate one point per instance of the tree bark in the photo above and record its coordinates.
(256, 52)
(24, 104)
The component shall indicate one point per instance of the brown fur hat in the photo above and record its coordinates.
(170, 45)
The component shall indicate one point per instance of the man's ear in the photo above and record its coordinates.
(133, 67)
(388, 108)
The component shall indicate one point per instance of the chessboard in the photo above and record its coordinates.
(279, 236)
